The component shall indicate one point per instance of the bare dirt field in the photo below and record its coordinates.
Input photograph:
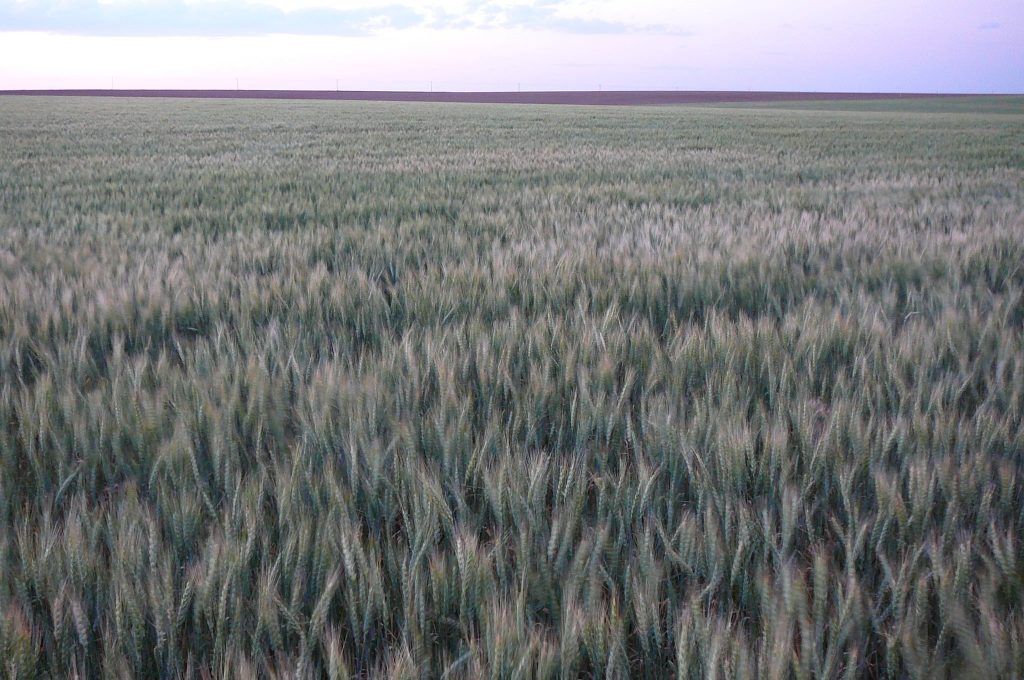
(609, 98)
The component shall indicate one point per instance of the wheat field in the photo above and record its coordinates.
(342, 390)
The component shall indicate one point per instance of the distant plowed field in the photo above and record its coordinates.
(619, 98)
(345, 389)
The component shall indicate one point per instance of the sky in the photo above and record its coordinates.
(807, 45)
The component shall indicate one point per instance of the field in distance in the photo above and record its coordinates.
(565, 97)
(966, 104)
(415, 390)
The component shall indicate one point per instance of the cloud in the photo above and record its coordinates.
(244, 18)
(596, 66)
(540, 15)
(989, 26)
(179, 18)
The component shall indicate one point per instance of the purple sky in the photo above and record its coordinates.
(867, 45)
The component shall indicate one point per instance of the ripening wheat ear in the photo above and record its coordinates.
(19, 643)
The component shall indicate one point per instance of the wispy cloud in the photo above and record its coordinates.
(241, 18)
(989, 26)
(178, 18)
(540, 15)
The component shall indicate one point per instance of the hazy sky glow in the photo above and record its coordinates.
(866, 45)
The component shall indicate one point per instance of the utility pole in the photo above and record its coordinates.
(336, 85)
